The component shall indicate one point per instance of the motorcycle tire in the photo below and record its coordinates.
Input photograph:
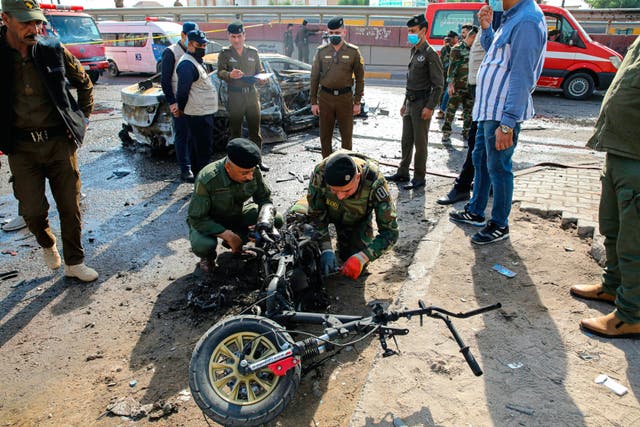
(225, 394)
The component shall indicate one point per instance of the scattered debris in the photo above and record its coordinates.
(504, 271)
(20, 283)
(91, 357)
(516, 365)
(508, 315)
(133, 383)
(588, 356)
(119, 173)
(8, 252)
(397, 422)
(9, 275)
(569, 249)
(128, 407)
(611, 384)
(521, 409)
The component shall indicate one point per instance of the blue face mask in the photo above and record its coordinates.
(413, 39)
(496, 5)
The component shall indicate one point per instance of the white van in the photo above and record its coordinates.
(137, 46)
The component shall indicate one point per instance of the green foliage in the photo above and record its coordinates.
(614, 4)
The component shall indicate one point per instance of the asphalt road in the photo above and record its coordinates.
(557, 134)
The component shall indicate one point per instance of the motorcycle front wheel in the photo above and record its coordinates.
(229, 396)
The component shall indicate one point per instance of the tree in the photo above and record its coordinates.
(613, 4)
(119, 3)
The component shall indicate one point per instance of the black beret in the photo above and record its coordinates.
(243, 153)
(335, 23)
(340, 170)
(452, 34)
(235, 27)
(417, 20)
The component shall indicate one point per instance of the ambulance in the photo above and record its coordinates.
(78, 32)
(574, 63)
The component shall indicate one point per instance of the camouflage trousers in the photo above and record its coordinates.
(460, 96)
(351, 238)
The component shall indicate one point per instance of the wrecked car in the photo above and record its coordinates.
(284, 101)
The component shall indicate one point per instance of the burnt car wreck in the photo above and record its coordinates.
(284, 103)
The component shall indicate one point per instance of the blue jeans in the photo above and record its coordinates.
(492, 168)
(445, 100)
(181, 142)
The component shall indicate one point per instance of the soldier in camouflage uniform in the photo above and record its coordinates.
(218, 209)
(346, 189)
(458, 87)
(445, 56)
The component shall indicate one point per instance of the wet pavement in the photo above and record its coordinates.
(145, 189)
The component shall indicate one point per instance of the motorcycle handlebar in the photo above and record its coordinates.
(471, 361)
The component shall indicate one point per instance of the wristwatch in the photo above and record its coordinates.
(505, 129)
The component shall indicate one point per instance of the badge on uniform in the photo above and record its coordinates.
(381, 193)
(252, 59)
(233, 59)
(345, 56)
(421, 58)
(332, 203)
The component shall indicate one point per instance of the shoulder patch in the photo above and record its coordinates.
(381, 193)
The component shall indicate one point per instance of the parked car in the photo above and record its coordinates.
(573, 63)
(284, 101)
(137, 46)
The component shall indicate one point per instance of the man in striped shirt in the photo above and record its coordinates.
(506, 79)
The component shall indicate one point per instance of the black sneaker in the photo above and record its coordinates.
(491, 233)
(466, 217)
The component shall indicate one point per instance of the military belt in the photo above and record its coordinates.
(336, 92)
(245, 89)
(39, 135)
(416, 95)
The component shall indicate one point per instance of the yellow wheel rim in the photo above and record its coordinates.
(228, 382)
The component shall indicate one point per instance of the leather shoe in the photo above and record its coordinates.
(263, 167)
(592, 292)
(396, 177)
(453, 196)
(415, 184)
(610, 326)
(187, 176)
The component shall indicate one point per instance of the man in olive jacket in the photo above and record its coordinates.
(617, 133)
(218, 209)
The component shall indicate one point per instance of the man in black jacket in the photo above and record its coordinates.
(43, 125)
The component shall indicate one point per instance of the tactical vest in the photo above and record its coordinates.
(203, 96)
(178, 51)
(48, 58)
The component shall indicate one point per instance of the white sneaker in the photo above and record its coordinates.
(81, 272)
(52, 257)
(15, 224)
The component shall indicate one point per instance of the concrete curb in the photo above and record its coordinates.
(413, 289)
(384, 75)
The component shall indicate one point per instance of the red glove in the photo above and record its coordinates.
(354, 265)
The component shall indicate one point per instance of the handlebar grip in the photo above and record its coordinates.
(471, 361)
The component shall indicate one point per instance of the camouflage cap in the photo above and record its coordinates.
(23, 10)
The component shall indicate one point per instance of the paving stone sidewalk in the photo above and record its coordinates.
(573, 193)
